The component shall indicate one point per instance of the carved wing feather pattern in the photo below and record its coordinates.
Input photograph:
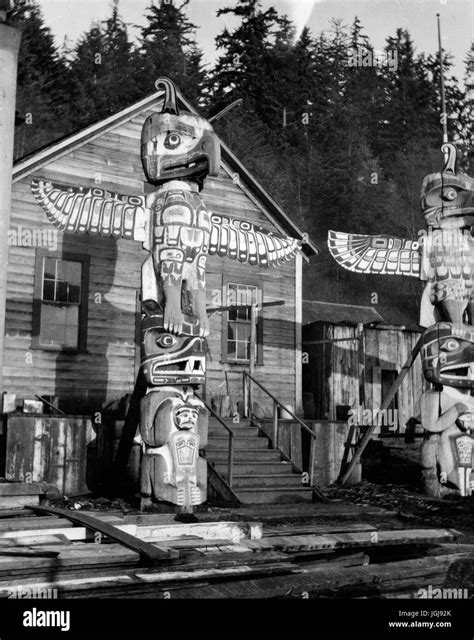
(387, 255)
(243, 241)
(100, 212)
(92, 210)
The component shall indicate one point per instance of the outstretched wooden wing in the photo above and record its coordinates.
(243, 241)
(386, 255)
(92, 210)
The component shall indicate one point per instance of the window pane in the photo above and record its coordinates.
(61, 291)
(72, 315)
(242, 351)
(231, 349)
(243, 332)
(242, 314)
(231, 294)
(74, 293)
(49, 268)
(244, 296)
(52, 324)
(75, 273)
(63, 270)
(48, 290)
(52, 314)
(230, 331)
(72, 336)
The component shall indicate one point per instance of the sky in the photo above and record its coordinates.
(380, 19)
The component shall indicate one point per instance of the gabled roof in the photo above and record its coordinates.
(39, 158)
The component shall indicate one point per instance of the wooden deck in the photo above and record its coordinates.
(293, 551)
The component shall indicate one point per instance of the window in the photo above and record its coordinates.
(237, 328)
(60, 302)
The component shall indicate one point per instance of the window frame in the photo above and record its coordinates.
(246, 282)
(38, 300)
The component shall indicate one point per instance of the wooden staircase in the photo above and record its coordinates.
(260, 475)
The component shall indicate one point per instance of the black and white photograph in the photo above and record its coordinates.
(236, 318)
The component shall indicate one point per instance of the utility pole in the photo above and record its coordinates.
(9, 48)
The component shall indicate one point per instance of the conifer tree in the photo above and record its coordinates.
(41, 99)
(168, 47)
(103, 71)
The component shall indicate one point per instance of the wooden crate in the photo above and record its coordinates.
(60, 450)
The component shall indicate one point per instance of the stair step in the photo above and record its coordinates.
(256, 468)
(239, 432)
(274, 496)
(244, 422)
(244, 455)
(239, 443)
(268, 480)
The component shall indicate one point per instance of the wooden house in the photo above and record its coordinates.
(350, 360)
(72, 301)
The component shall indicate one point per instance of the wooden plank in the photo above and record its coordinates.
(139, 580)
(315, 529)
(349, 540)
(72, 558)
(198, 543)
(9, 502)
(33, 540)
(13, 514)
(24, 488)
(233, 531)
(28, 553)
(187, 562)
(149, 553)
(324, 579)
(73, 533)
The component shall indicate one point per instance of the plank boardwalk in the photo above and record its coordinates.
(61, 549)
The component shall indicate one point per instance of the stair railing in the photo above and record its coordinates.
(230, 455)
(248, 379)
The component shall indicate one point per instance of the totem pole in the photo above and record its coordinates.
(178, 149)
(444, 259)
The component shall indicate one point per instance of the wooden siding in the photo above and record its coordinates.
(59, 450)
(331, 372)
(107, 369)
(329, 447)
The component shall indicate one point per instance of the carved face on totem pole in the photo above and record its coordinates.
(169, 359)
(447, 198)
(177, 144)
(444, 259)
(447, 355)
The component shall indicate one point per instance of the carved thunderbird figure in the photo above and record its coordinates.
(179, 149)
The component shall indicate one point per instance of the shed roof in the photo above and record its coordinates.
(320, 311)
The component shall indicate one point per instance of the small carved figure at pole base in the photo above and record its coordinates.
(173, 428)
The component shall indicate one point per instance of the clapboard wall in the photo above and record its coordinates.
(331, 369)
(106, 371)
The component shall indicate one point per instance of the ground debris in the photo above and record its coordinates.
(409, 504)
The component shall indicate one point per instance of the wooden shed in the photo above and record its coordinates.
(350, 364)
(72, 301)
